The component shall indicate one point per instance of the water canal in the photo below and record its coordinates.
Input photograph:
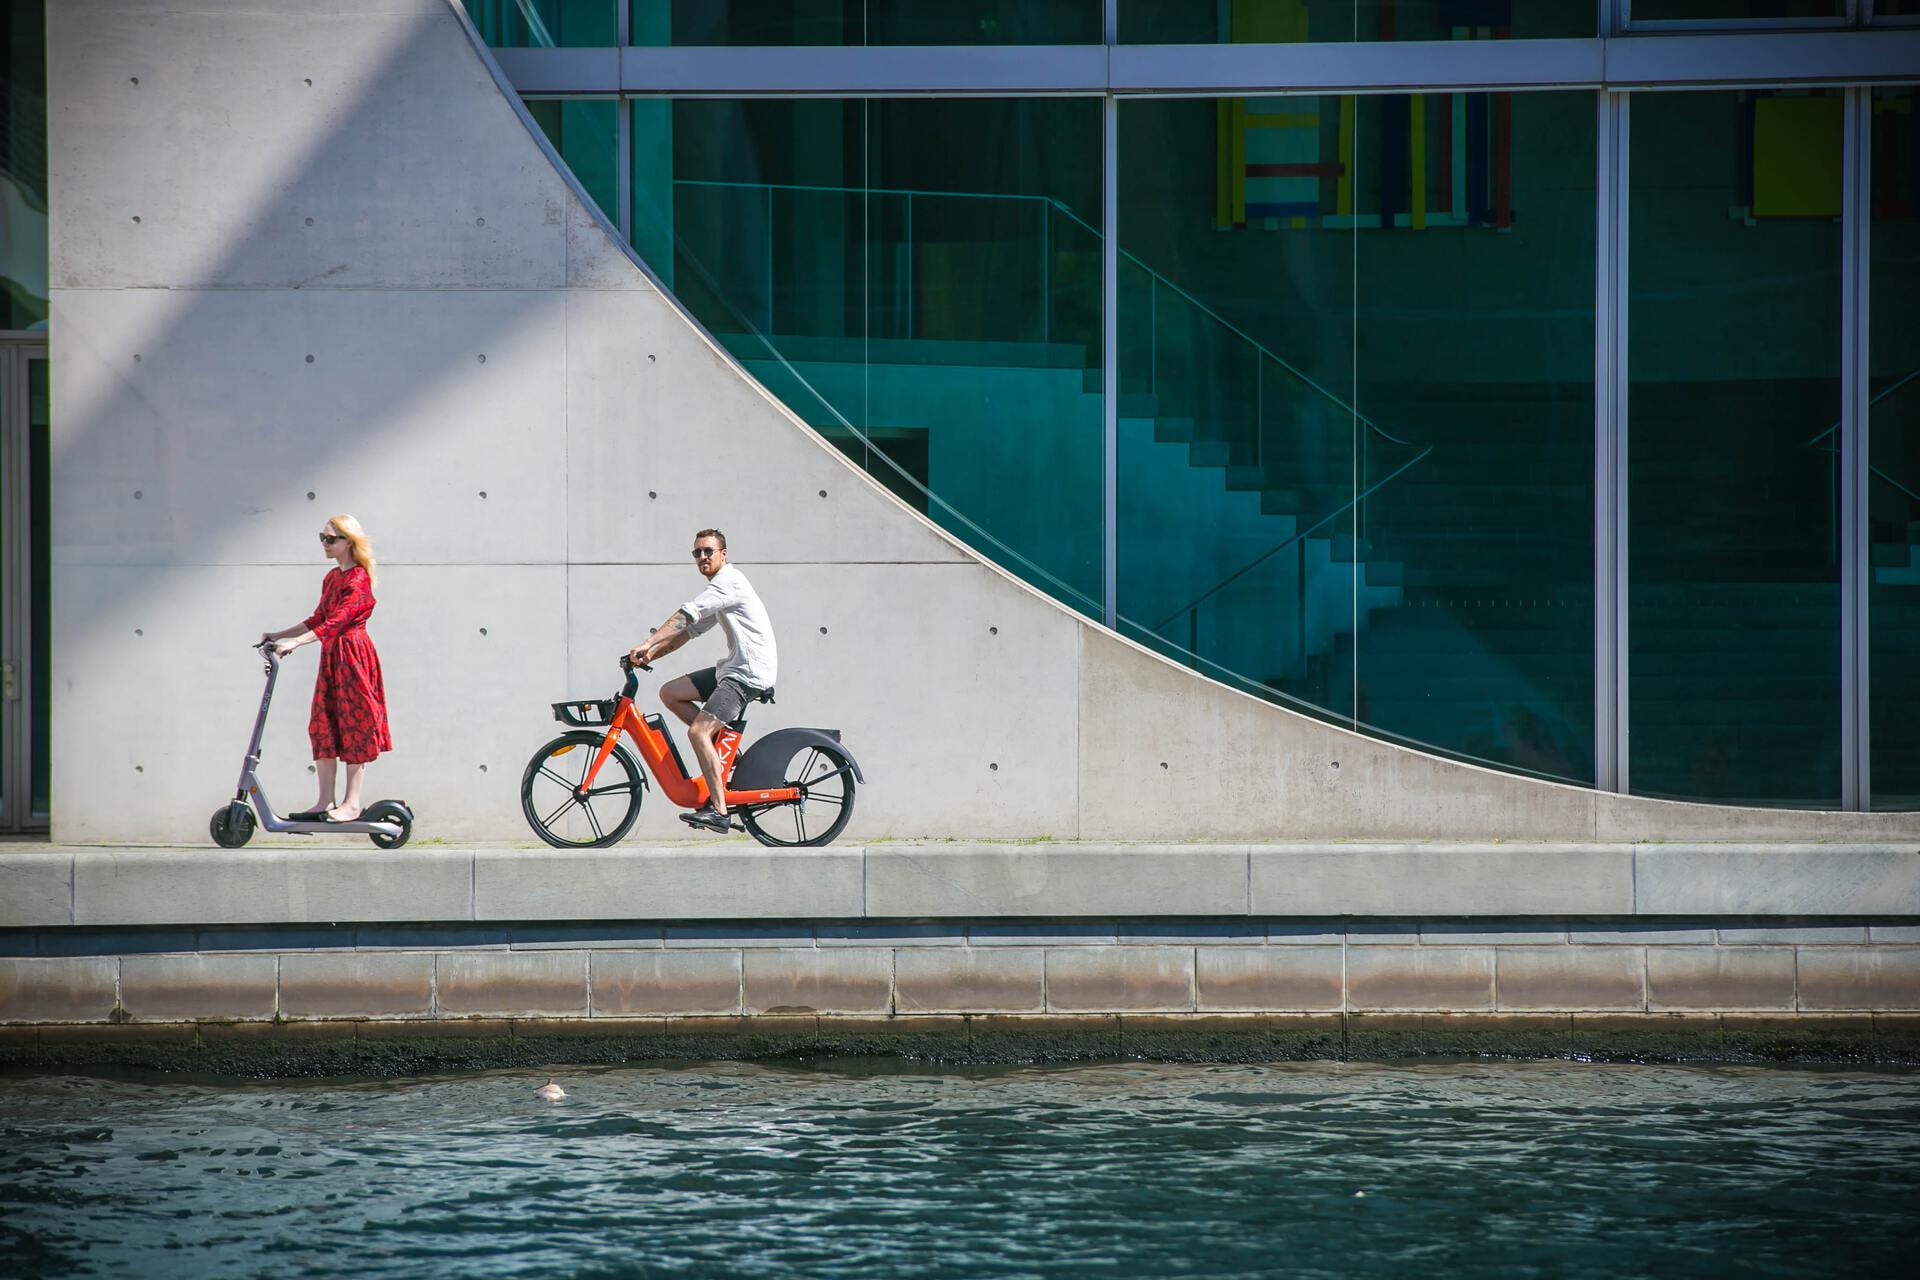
(845, 1169)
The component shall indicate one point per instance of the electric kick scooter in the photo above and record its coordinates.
(582, 790)
(387, 823)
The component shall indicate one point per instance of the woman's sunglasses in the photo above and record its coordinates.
(328, 539)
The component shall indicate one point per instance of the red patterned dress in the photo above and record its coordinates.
(349, 717)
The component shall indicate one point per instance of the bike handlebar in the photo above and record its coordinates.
(628, 665)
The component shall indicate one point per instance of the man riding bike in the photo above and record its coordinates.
(707, 699)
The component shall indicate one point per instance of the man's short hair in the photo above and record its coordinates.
(715, 534)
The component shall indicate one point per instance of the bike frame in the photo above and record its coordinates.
(657, 753)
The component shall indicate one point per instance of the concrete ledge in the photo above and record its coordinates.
(53, 887)
(370, 1047)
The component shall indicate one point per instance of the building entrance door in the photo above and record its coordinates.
(25, 595)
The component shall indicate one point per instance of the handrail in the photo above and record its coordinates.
(1297, 537)
(1066, 211)
(1871, 469)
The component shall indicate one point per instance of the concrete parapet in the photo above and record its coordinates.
(1437, 893)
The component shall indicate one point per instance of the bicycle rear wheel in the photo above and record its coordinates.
(556, 810)
(824, 776)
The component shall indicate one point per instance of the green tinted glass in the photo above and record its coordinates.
(544, 24)
(920, 280)
(1893, 482)
(582, 131)
(1356, 409)
(863, 22)
(1298, 21)
(1733, 479)
(23, 166)
(40, 542)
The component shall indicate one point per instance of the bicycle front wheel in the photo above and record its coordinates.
(567, 814)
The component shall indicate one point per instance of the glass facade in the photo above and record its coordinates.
(1732, 475)
(23, 166)
(1893, 435)
(1356, 418)
(1299, 21)
(1357, 424)
(544, 24)
(918, 279)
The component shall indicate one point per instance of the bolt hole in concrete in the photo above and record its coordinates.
(823, 493)
(309, 359)
(1336, 764)
(483, 493)
(136, 217)
(309, 84)
(309, 221)
(483, 768)
(309, 495)
(136, 357)
(993, 631)
(823, 631)
(479, 222)
(993, 768)
(1163, 764)
(139, 768)
(483, 631)
(652, 494)
(649, 358)
(137, 631)
(483, 358)
(133, 79)
(136, 495)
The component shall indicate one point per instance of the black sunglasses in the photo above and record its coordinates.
(701, 552)
(328, 539)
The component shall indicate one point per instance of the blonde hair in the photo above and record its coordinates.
(357, 539)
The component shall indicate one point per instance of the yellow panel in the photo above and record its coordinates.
(1343, 186)
(1796, 158)
(1269, 22)
(1417, 147)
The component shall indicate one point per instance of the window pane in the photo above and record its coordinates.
(544, 24)
(1733, 485)
(918, 279)
(1297, 21)
(1893, 484)
(23, 167)
(582, 131)
(1357, 409)
(1733, 10)
(863, 22)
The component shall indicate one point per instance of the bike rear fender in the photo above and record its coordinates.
(762, 766)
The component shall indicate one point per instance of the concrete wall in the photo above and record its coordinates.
(308, 259)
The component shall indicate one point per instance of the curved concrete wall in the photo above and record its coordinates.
(315, 258)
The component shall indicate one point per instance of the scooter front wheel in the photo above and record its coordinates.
(232, 825)
(552, 800)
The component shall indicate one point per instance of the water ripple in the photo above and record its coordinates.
(870, 1170)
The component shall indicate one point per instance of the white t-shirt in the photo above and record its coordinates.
(731, 601)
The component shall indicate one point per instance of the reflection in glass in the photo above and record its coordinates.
(1300, 21)
(40, 546)
(1893, 481)
(1356, 409)
(918, 279)
(23, 167)
(1733, 482)
(863, 22)
(544, 24)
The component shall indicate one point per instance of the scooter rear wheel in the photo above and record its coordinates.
(559, 815)
(232, 825)
(825, 778)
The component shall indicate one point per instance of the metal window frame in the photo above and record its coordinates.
(1821, 56)
(1611, 724)
(17, 349)
(1856, 217)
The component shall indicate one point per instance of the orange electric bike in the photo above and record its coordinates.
(794, 787)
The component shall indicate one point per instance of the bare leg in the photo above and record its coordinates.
(325, 768)
(349, 809)
(704, 729)
(680, 697)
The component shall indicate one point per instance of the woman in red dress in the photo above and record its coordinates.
(349, 717)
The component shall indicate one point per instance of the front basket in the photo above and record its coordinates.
(584, 715)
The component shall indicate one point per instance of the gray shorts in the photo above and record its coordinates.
(725, 700)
